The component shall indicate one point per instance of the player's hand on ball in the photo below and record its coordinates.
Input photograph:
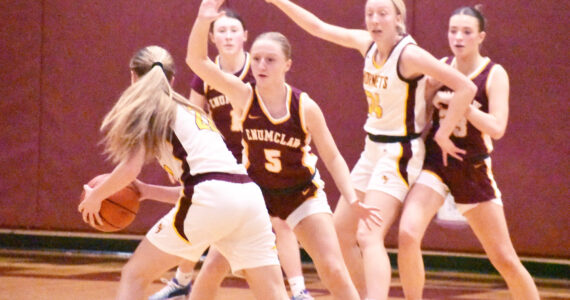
(89, 208)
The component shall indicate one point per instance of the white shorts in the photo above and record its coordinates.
(435, 183)
(388, 167)
(315, 205)
(229, 216)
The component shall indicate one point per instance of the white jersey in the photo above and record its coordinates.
(396, 106)
(197, 147)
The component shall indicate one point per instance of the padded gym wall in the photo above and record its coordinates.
(64, 63)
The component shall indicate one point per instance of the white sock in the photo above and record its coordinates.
(183, 278)
(297, 284)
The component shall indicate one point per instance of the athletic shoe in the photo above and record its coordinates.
(304, 295)
(172, 290)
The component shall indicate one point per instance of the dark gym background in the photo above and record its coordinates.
(64, 63)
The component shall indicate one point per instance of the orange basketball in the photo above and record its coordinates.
(120, 209)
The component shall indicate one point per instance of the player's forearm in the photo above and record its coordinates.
(486, 123)
(341, 175)
(161, 193)
(302, 17)
(197, 51)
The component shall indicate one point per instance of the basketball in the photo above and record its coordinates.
(120, 209)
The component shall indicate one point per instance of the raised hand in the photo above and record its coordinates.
(209, 9)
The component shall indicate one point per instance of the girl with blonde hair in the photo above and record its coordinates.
(217, 204)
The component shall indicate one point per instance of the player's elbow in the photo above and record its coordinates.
(498, 133)
(195, 63)
(191, 61)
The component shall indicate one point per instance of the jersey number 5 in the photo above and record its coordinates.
(374, 106)
(273, 163)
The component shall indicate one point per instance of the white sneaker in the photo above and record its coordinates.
(172, 290)
(304, 295)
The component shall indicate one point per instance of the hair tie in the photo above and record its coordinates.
(157, 64)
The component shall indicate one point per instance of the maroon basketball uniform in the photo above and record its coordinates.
(277, 153)
(470, 180)
(221, 110)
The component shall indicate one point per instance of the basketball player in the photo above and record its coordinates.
(395, 70)
(470, 180)
(228, 33)
(278, 124)
(218, 204)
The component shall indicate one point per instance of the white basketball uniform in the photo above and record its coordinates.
(220, 206)
(393, 154)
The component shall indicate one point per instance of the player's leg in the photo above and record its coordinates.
(317, 235)
(290, 257)
(266, 282)
(346, 224)
(250, 247)
(377, 270)
(489, 224)
(420, 206)
(211, 275)
(140, 270)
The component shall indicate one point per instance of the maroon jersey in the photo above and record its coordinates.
(277, 153)
(221, 110)
(470, 180)
(277, 150)
(466, 136)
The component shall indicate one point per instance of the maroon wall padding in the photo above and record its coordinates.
(20, 111)
(64, 64)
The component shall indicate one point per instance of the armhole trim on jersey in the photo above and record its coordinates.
(408, 80)
(302, 97)
(248, 104)
(246, 66)
(490, 79)
(369, 48)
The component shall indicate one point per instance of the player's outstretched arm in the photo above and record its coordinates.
(334, 162)
(351, 38)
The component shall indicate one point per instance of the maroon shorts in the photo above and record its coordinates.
(469, 181)
(282, 202)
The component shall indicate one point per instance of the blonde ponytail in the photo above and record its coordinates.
(146, 110)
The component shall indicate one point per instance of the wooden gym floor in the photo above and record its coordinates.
(62, 276)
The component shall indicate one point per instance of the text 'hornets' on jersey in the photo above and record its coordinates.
(396, 105)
